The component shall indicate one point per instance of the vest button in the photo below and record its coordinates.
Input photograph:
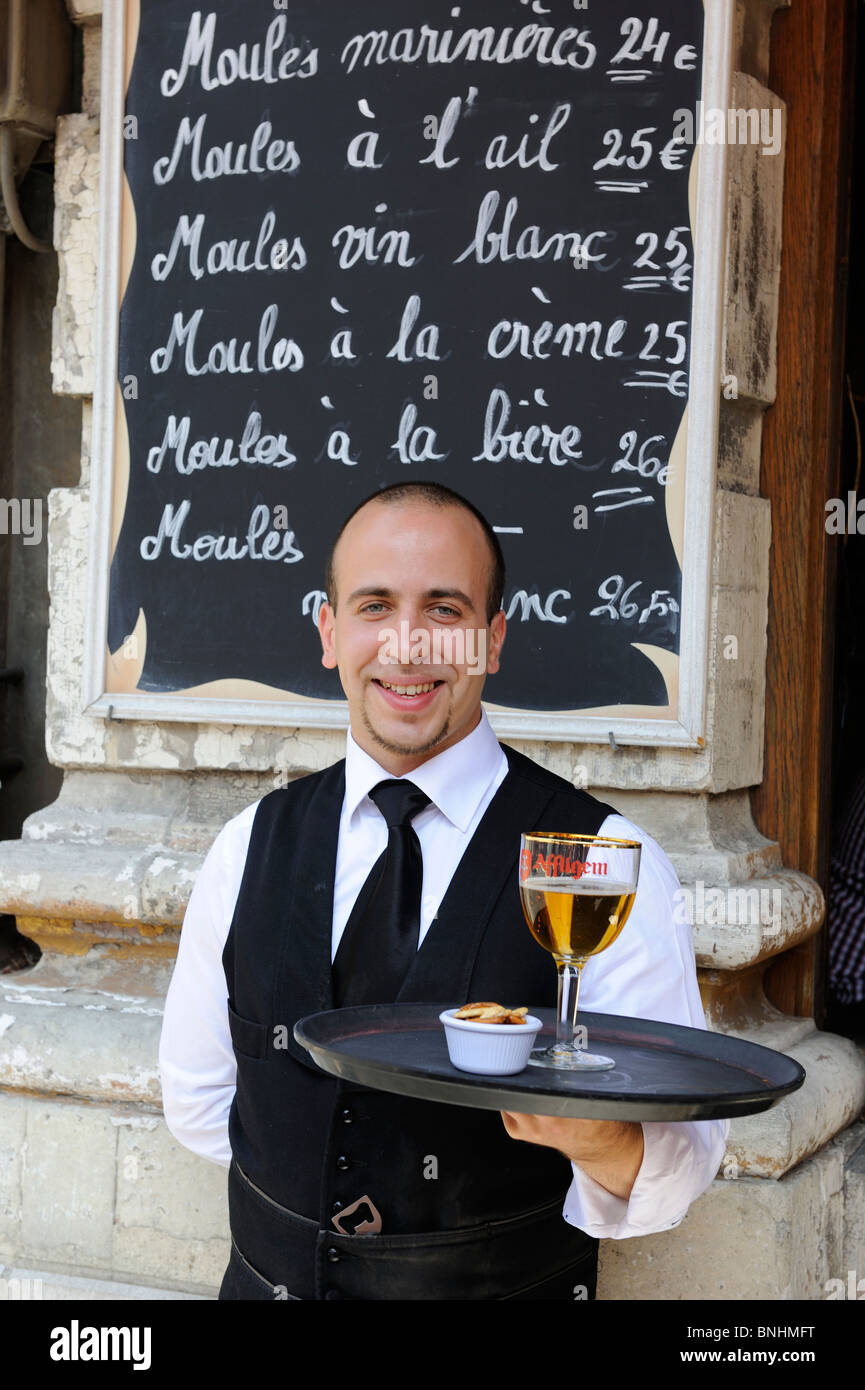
(343, 1163)
(337, 1206)
(347, 1116)
(334, 1256)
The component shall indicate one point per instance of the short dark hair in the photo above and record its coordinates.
(436, 495)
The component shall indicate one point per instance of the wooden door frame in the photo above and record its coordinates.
(812, 52)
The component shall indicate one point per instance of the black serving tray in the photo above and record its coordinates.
(663, 1071)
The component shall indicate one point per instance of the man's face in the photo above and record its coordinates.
(404, 573)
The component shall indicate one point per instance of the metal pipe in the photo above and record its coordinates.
(10, 193)
(7, 136)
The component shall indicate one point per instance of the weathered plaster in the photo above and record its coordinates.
(76, 196)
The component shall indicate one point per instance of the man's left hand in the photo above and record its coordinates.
(610, 1151)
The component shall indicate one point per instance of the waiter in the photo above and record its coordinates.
(393, 876)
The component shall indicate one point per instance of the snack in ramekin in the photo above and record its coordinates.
(487, 1044)
(492, 1013)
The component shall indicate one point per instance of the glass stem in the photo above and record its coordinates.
(569, 989)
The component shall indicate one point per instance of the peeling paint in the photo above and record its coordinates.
(161, 863)
(140, 1076)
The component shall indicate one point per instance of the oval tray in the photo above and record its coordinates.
(663, 1071)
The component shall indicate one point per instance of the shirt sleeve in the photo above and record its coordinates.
(197, 1064)
(649, 972)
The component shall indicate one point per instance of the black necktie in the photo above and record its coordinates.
(381, 935)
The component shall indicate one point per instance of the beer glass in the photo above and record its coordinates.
(577, 892)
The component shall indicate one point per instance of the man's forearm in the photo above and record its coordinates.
(608, 1151)
(614, 1157)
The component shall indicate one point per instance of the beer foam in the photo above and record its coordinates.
(586, 885)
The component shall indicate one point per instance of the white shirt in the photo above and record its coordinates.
(649, 972)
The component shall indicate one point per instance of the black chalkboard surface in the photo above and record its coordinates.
(365, 252)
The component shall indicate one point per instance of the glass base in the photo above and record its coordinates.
(569, 1059)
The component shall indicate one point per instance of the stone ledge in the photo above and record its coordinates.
(117, 855)
(69, 900)
(42, 1285)
(795, 906)
(107, 883)
(832, 1097)
(120, 848)
(66, 1039)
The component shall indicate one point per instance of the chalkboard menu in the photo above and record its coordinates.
(350, 245)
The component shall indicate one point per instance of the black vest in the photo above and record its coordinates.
(466, 1211)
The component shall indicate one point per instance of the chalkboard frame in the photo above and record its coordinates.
(687, 729)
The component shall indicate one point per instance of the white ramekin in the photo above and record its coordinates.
(489, 1049)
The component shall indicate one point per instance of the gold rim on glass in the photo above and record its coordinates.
(586, 839)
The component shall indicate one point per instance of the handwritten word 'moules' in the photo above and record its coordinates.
(257, 62)
(234, 254)
(260, 155)
(233, 356)
(217, 451)
(262, 540)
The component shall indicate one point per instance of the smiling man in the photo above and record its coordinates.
(392, 876)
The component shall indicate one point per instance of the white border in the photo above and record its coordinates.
(700, 468)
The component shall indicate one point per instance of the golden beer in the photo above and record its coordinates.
(573, 918)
